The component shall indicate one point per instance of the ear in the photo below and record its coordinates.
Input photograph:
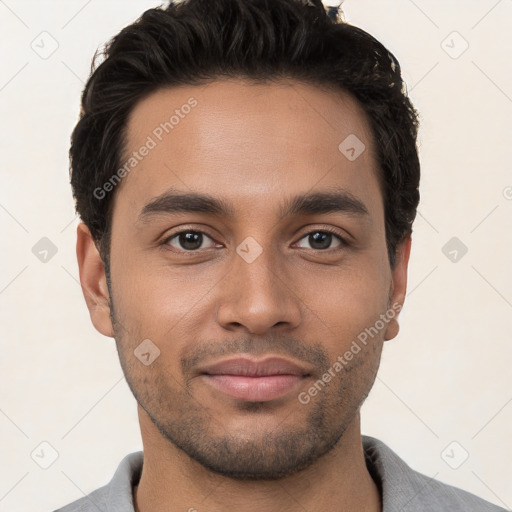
(93, 281)
(398, 287)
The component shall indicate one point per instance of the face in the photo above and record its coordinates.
(248, 250)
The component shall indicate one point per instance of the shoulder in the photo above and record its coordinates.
(117, 494)
(405, 489)
(93, 502)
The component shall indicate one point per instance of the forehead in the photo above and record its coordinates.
(247, 142)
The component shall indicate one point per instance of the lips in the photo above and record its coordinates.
(252, 380)
(251, 368)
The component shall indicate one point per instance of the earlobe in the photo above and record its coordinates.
(93, 281)
(398, 288)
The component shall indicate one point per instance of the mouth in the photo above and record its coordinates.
(255, 381)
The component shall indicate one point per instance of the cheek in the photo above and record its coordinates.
(162, 303)
(349, 297)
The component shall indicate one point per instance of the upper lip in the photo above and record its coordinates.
(255, 368)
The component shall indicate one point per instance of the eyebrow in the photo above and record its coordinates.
(331, 201)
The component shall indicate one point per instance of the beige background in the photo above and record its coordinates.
(445, 378)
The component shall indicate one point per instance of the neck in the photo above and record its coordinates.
(170, 480)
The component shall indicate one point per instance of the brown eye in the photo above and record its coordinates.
(187, 240)
(322, 240)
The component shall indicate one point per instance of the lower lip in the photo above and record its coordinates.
(254, 389)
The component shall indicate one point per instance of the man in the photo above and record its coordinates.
(247, 176)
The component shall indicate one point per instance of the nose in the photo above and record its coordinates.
(258, 296)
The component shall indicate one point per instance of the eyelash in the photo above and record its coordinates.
(330, 231)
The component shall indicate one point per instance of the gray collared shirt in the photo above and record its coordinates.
(402, 489)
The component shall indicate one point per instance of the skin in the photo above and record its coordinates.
(254, 147)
